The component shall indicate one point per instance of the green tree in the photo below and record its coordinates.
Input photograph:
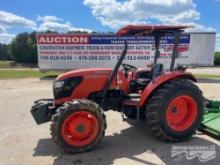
(4, 53)
(110, 33)
(32, 47)
(77, 32)
(217, 58)
(23, 48)
(50, 32)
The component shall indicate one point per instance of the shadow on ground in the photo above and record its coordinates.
(133, 141)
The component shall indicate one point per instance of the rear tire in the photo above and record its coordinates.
(78, 126)
(175, 110)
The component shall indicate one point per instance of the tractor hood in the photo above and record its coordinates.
(91, 72)
(80, 83)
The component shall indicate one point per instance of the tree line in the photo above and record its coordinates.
(23, 48)
(217, 58)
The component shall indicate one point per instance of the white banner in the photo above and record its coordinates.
(67, 51)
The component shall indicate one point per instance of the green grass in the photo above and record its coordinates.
(10, 73)
(26, 74)
(207, 76)
(13, 64)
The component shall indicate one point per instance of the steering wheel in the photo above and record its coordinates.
(127, 68)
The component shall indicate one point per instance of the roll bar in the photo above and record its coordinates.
(157, 38)
(158, 32)
(115, 71)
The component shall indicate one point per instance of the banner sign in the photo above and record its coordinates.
(80, 51)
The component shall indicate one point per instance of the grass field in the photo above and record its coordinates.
(12, 64)
(26, 74)
(10, 73)
(11, 69)
(207, 76)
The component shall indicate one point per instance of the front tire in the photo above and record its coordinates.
(175, 110)
(78, 126)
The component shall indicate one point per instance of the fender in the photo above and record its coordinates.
(167, 76)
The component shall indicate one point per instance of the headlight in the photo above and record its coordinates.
(58, 84)
(64, 88)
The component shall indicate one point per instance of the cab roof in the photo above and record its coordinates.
(148, 29)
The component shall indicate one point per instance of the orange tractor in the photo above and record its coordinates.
(169, 101)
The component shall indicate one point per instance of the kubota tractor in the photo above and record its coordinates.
(169, 101)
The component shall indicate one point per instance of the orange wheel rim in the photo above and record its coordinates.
(181, 113)
(80, 128)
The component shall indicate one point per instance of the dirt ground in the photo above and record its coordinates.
(22, 142)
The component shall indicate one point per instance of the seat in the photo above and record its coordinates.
(141, 83)
(156, 70)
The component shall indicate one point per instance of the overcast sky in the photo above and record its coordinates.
(105, 15)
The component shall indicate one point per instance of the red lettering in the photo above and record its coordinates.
(62, 39)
